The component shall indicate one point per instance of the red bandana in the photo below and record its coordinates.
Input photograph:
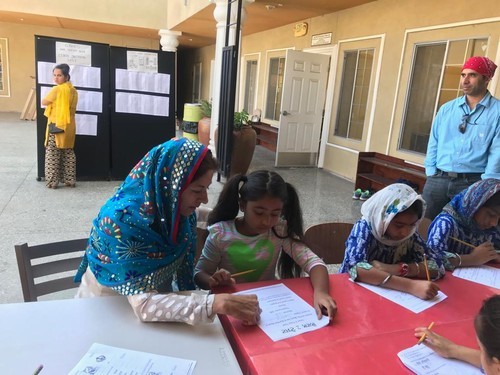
(482, 65)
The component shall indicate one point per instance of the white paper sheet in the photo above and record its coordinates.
(424, 361)
(104, 359)
(86, 124)
(142, 81)
(142, 104)
(485, 275)
(88, 101)
(81, 76)
(284, 313)
(406, 300)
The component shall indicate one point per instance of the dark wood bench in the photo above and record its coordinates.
(267, 136)
(376, 171)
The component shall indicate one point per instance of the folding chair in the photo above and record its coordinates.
(327, 240)
(48, 268)
(423, 228)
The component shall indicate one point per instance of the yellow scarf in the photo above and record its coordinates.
(63, 114)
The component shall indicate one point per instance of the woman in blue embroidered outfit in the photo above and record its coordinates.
(145, 235)
(384, 247)
(60, 102)
(473, 217)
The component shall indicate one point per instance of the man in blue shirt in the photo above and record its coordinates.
(464, 144)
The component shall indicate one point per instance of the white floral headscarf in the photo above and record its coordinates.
(384, 205)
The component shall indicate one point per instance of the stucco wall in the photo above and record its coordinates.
(390, 19)
(21, 39)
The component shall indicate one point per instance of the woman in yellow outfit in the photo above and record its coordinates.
(60, 102)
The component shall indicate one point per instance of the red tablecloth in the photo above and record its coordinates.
(365, 336)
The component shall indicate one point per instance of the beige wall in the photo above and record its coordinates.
(21, 40)
(391, 19)
(151, 14)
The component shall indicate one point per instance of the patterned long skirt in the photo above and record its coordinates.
(60, 164)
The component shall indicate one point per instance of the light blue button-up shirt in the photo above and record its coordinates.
(475, 151)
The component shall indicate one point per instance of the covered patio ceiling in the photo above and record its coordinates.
(199, 30)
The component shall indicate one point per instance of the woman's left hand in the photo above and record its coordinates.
(324, 304)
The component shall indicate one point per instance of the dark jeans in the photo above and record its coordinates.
(439, 190)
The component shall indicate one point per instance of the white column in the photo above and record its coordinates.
(168, 40)
(220, 13)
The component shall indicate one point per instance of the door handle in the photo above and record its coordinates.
(285, 113)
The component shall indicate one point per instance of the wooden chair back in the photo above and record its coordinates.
(202, 235)
(423, 228)
(327, 240)
(52, 261)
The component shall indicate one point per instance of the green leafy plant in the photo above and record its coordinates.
(240, 119)
(206, 108)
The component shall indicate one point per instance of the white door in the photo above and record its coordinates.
(304, 89)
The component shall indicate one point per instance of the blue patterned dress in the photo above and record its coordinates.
(367, 241)
(457, 220)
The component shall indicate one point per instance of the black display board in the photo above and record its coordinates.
(134, 134)
(92, 152)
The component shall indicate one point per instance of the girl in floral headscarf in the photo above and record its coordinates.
(144, 238)
(384, 247)
(472, 217)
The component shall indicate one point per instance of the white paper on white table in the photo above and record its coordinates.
(485, 275)
(104, 359)
(404, 299)
(424, 361)
(284, 313)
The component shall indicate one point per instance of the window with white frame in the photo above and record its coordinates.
(434, 80)
(4, 68)
(250, 92)
(353, 97)
(275, 75)
(196, 82)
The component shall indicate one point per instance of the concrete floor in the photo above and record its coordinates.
(29, 212)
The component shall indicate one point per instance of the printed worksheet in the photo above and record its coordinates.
(485, 275)
(284, 313)
(406, 300)
(104, 359)
(424, 361)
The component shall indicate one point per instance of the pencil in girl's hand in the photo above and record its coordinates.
(423, 336)
(462, 242)
(426, 268)
(241, 273)
(38, 369)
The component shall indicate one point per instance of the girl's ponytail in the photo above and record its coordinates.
(227, 206)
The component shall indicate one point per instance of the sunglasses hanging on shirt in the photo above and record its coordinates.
(463, 126)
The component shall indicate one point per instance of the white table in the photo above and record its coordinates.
(57, 334)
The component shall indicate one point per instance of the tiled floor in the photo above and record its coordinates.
(31, 213)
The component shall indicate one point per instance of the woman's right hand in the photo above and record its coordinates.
(424, 289)
(220, 277)
(441, 345)
(483, 253)
(243, 307)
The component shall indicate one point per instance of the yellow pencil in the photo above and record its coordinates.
(423, 336)
(426, 268)
(467, 244)
(462, 242)
(241, 273)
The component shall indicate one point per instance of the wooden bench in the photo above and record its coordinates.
(267, 136)
(376, 171)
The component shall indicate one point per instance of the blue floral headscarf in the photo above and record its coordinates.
(139, 240)
(465, 204)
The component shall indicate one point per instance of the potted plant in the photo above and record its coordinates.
(244, 140)
(204, 123)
